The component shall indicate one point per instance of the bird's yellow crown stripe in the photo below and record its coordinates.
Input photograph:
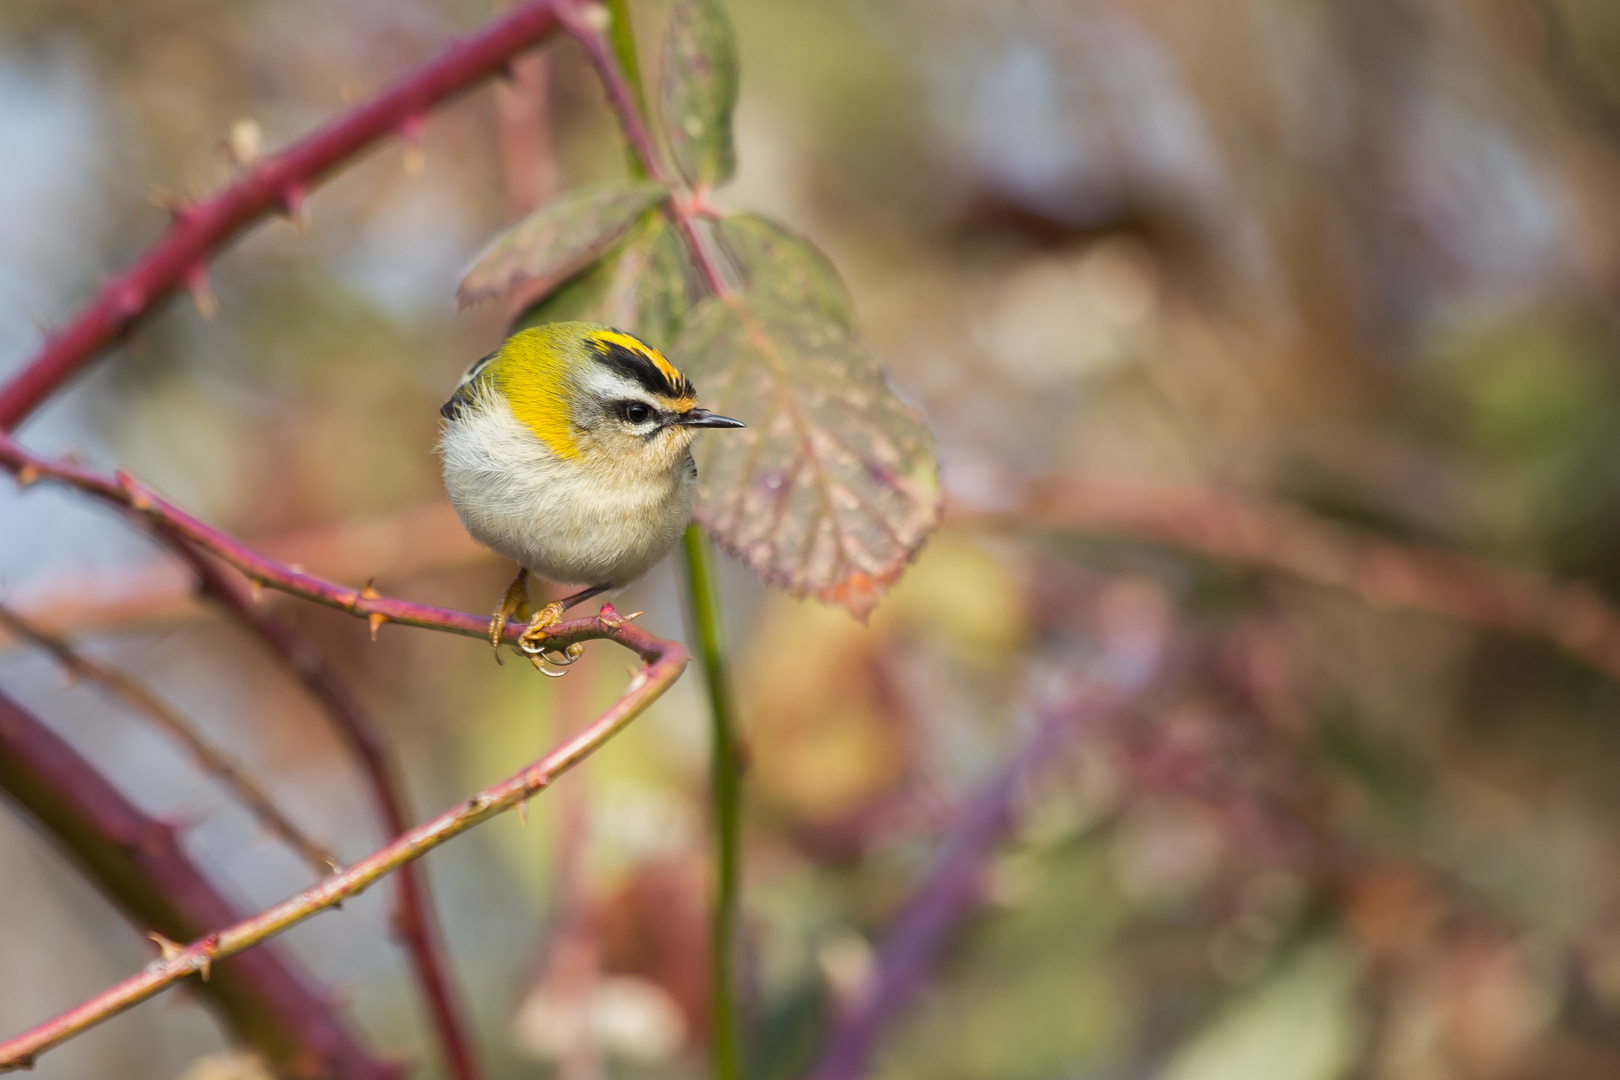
(636, 345)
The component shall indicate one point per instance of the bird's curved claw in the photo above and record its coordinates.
(566, 657)
(532, 642)
(539, 663)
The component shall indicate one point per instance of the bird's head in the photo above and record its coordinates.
(598, 396)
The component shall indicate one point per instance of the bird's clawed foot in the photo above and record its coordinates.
(532, 642)
(514, 601)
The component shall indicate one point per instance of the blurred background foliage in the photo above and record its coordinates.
(1361, 257)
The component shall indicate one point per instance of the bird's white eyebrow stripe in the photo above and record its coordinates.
(477, 365)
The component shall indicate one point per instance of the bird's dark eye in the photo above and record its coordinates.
(635, 412)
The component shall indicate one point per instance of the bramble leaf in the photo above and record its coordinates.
(639, 286)
(780, 262)
(529, 260)
(833, 486)
(700, 90)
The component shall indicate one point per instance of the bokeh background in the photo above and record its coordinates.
(1357, 258)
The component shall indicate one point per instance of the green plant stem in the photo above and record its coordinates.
(622, 80)
(622, 33)
(725, 780)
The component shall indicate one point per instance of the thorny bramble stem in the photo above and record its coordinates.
(213, 761)
(182, 531)
(141, 864)
(278, 184)
(281, 183)
(665, 660)
(413, 911)
(364, 603)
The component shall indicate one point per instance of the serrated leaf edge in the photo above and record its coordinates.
(843, 593)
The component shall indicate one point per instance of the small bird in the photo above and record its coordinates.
(569, 451)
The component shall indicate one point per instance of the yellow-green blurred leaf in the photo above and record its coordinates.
(833, 486)
(700, 90)
(1300, 1025)
(529, 260)
(777, 261)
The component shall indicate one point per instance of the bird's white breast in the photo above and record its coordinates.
(567, 521)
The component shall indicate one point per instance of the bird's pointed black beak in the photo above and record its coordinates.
(705, 418)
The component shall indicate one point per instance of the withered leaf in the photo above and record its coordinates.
(640, 286)
(700, 90)
(775, 260)
(529, 260)
(834, 485)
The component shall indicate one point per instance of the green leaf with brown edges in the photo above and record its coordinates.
(776, 260)
(533, 257)
(833, 486)
(700, 90)
(639, 286)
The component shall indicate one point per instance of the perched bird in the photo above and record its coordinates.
(568, 450)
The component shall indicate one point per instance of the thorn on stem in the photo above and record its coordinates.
(375, 621)
(205, 962)
(292, 204)
(27, 475)
(138, 499)
(523, 811)
(245, 143)
(202, 294)
(415, 153)
(169, 949)
(256, 589)
(129, 301)
(182, 209)
(594, 17)
(164, 199)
